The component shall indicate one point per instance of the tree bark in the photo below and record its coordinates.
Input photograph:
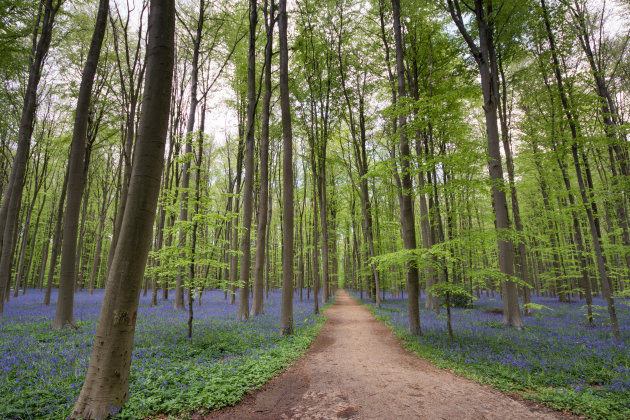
(263, 202)
(77, 174)
(106, 386)
(516, 213)
(190, 127)
(406, 210)
(485, 56)
(248, 187)
(286, 314)
(12, 197)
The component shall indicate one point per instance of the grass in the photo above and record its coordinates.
(42, 371)
(556, 360)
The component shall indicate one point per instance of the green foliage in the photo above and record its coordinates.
(458, 296)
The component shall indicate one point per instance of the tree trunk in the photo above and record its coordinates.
(106, 386)
(486, 60)
(190, 126)
(12, 196)
(315, 247)
(77, 174)
(286, 315)
(44, 257)
(248, 187)
(56, 239)
(406, 211)
(263, 202)
(516, 214)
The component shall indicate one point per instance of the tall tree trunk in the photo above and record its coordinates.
(323, 214)
(248, 187)
(12, 196)
(193, 244)
(509, 162)
(263, 202)
(190, 127)
(106, 386)
(286, 314)
(360, 155)
(77, 174)
(485, 56)
(315, 239)
(406, 210)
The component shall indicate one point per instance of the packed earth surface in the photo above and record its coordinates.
(357, 368)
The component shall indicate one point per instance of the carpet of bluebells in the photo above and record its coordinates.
(42, 371)
(556, 359)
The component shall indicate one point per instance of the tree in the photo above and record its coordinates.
(589, 206)
(248, 187)
(77, 173)
(106, 386)
(406, 202)
(263, 201)
(286, 316)
(12, 197)
(190, 127)
(485, 57)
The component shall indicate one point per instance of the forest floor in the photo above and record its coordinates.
(358, 369)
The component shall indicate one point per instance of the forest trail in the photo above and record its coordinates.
(357, 369)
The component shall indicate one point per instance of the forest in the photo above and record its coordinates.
(191, 188)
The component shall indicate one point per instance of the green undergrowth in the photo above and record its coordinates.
(201, 388)
(42, 371)
(592, 403)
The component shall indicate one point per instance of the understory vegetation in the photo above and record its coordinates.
(43, 370)
(557, 359)
(390, 146)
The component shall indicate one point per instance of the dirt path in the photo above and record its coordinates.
(358, 369)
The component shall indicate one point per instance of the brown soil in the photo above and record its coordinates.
(357, 369)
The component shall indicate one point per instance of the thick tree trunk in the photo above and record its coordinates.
(106, 386)
(406, 211)
(286, 314)
(126, 160)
